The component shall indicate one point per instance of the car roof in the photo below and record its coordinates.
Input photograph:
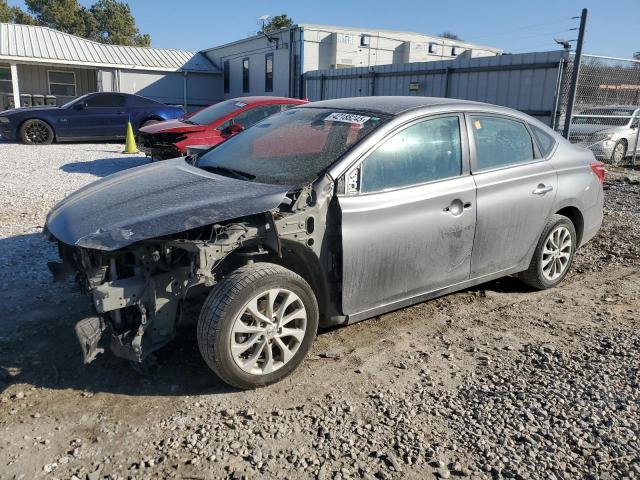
(390, 105)
(267, 99)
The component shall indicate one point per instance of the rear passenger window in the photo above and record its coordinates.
(545, 141)
(423, 152)
(500, 142)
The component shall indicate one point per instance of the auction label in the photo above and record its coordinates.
(347, 118)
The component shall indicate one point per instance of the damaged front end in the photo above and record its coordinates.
(138, 292)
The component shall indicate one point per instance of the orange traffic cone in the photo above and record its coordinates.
(130, 145)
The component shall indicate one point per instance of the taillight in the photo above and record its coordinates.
(598, 169)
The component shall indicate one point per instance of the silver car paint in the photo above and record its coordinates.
(590, 136)
(501, 249)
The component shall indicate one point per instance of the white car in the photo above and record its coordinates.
(611, 132)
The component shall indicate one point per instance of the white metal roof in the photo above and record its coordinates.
(46, 45)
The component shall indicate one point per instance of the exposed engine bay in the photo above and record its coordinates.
(138, 292)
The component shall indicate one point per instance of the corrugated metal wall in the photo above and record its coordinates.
(527, 82)
(33, 79)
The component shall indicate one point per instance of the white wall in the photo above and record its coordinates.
(166, 87)
(256, 49)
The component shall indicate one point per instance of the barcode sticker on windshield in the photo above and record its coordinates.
(347, 118)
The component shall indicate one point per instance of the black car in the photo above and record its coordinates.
(95, 116)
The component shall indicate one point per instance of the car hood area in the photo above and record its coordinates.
(172, 126)
(154, 200)
(16, 111)
(590, 129)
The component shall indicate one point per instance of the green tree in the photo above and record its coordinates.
(107, 21)
(14, 15)
(116, 25)
(65, 15)
(276, 23)
(450, 35)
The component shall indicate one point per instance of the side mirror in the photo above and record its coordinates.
(80, 106)
(232, 129)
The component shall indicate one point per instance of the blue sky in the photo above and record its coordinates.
(513, 25)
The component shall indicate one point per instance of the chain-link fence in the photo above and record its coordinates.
(606, 108)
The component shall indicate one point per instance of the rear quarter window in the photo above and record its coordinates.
(500, 142)
(545, 141)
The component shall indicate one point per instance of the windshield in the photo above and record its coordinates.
(604, 116)
(292, 147)
(75, 100)
(215, 112)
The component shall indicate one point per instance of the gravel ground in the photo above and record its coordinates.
(492, 382)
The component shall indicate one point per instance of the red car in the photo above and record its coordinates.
(209, 126)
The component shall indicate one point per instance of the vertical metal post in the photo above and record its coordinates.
(184, 91)
(447, 74)
(372, 83)
(635, 147)
(322, 87)
(554, 118)
(15, 85)
(574, 74)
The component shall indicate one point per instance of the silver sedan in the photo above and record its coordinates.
(326, 214)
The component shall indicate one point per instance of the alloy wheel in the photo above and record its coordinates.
(556, 253)
(37, 133)
(268, 331)
(618, 154)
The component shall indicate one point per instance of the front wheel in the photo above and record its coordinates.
(36, 132)
(257, 325)
(553, 256)
(619, 152)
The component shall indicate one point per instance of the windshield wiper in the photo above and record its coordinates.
(186, 120)
(234, 173)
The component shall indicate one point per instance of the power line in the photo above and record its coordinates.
(537, 35)
(506, 32)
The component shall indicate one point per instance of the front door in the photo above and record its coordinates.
(103, 116)
(515, 193)
(409, 228)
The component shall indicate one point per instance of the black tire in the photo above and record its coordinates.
(226, 301)
(36, 132)
(619, 153)
(534, 275)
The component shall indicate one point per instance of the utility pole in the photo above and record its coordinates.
(574, 74)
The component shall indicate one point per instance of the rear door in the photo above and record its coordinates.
(515, 192)
(105, 116)
(408, 227)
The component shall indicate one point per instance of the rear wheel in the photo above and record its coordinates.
(553, 256)
(257, 325)
(36, 132)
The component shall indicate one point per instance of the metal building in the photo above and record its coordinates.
(274, 64)
(40, 65)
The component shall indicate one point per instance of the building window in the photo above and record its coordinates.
(225, 75)
(454, 51)
(62, 83)
(5, 80)
(245, 75)
(268, 72)
(432, 48)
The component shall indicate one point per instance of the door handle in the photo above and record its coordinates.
(456, 207)
(541, 189)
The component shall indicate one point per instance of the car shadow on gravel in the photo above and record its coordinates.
(105, 166)
(50, 358)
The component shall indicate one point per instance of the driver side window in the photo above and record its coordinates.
(426, 151)
(252, 116)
